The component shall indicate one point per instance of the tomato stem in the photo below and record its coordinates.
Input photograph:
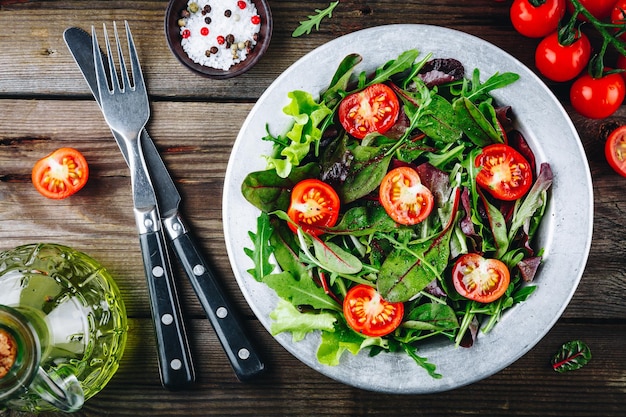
(596, 64)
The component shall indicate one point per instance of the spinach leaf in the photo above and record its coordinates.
(268, 191)
(431, 317)
(474, 123)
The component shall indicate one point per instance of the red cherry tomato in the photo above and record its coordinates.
(405, 199)
(480, 279)
(621, 64)
(374, 109)
(369, 314)
(505, 173)
(562, 62)
(597, 98)
(618, 15)
(536, 21)
(600, 9)
(314, 204)
(60, 174)
(615, 150)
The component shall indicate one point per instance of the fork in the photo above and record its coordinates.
(126, 110)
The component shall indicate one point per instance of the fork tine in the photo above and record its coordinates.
(138, 81)
(115, 84)
(101, 76)
(120, 56)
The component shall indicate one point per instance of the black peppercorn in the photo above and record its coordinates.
(227, 13)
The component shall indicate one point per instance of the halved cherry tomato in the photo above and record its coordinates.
(405, 199)
(60, 174)
(368, 313)
(505, 173)
(313, 204)
(615, 150)
(562, 62)
(597, 98)
(480, 279)
(536, 21)
(374, 109)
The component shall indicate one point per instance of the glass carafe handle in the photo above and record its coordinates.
(61, 389)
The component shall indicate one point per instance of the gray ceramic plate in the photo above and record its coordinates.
(565, 233)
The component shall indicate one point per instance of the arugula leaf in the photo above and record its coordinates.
(402, 63)
(303, 291)
(339, 82)
(262, 251)
(314, 21)
(423, 362)
(287, 318)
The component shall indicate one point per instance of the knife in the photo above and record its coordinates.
(243, 356)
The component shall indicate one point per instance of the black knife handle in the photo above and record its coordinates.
(243, 357)
(174, 356)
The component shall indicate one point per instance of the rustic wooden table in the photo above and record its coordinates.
(45, 104)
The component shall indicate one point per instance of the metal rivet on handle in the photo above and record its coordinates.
(167, 319)
(221, 312)
(158, 271)
(198, 270)
(243, 353)
(176, 364)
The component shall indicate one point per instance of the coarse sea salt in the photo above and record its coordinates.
(219, 33)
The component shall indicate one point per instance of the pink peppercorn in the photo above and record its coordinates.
(204, 31)
(255, 20)
(220, 40)
(242, 5)
(186, 33)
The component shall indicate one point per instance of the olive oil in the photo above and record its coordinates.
(75, 309)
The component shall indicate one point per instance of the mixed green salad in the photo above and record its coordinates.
(400, 206)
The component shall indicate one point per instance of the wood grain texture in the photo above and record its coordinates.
(45, 104)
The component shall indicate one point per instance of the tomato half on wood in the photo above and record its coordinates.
(597, 98)
(405, 199)
(60, 174)
(369, 314)
(373, 109)
(615, 150)
(536, 21)
(562, 62)
(505, 173)
(313, 204)
(480, 279)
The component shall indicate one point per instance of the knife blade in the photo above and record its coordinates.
(243, 356)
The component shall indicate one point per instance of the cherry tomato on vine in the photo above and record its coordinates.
(373, 109)
(504, 173)
(536, 18)
(369, 314)
(480, 279)
(618, 15)
(615, 150)
(600, 9)
(597, 98)
(562, 62)
(60, 174)
(405, 199)
(313, 204)
(621, 64)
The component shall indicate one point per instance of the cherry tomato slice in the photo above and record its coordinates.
(562, 62)
(405, 199)
(480, 279)
(369, 314)
(314, 204)
(615, 150)
(505, 173)
(374, 109)
(536, 21)
(597, 98)
(60, 174)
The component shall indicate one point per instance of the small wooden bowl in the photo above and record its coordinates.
(174, 38)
